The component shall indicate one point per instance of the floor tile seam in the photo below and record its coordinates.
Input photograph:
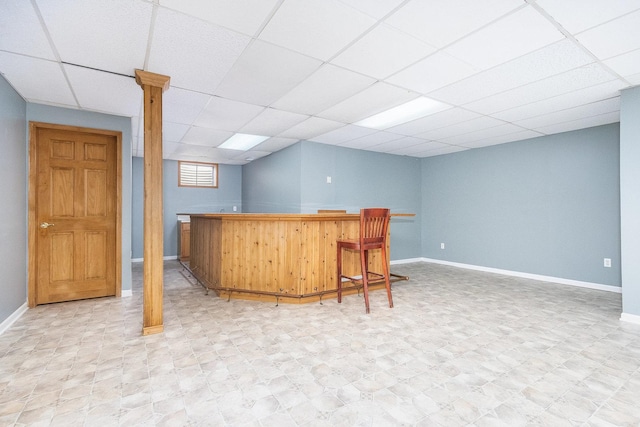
(19, 412)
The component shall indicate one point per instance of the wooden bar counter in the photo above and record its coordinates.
(274, 257)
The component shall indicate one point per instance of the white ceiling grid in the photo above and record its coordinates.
(295, 70)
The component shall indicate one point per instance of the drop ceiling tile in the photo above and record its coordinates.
(561, 102)
(264, 73)
(192, 150)
(368, 141)
(272, 122)
(434, 121)
(474, 125)
(374, 99)
(343, 134)
(418, 148)
(440, 23)
(502, 139)
(626, 64)
(398, 144)
(383, 51)
(440, 151)
(105, 92)
(377, 9)
(196, 54)
(225, 114)
(204, 136)
(433, 72)
(492, 132)
(633, 79)
(182, 106)
(570, 114)
(250, 155)
(579, 78)
(169, 148)
(37, 80)
(244, 16)
(512, 36)
(275, 144)
(21, 31)
(310, 128)
(613, 38)
(231, 162)
(188, 158)
(324, 88)
(578, 15)
(107, 35)
(316, 28)
(548, 61)
(173, 131)
(230, 157)
(582, 123)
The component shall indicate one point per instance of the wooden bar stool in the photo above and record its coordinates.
(374, 223)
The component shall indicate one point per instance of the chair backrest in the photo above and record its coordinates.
(374, 223)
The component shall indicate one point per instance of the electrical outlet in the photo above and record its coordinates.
(235, 208)
(441, 245)
(328, 180)
(607, 262)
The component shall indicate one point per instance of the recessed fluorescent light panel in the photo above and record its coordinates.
(242, 141)
(403, 113)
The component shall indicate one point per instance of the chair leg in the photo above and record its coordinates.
(385, 270)
(339, 273)
(364, 258)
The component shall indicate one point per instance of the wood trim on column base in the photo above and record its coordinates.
(150, 330)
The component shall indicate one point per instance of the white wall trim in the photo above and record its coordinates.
(13, 317)
(570, 282)
(631, 318)
(126, 293)
(406, 261)
(166, 258)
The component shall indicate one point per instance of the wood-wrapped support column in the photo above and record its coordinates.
(153, 86)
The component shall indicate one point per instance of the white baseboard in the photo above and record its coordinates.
(166, 258)
(631, 318)
(405, 261)
(126, 293)
(570, 282)
(6, 324)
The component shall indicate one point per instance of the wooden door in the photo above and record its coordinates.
(76, 214)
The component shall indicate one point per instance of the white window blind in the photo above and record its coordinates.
(194, 174)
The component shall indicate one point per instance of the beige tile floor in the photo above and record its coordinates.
(459, 348)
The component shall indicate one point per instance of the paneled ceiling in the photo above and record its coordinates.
(294, 70)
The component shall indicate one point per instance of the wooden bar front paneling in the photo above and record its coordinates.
(292, 255)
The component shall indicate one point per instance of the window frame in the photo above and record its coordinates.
(214, 166)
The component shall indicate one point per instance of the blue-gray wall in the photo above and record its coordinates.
(630, 199)
(13, 193)
(294, 180)
(272, 184)
(64, 116)
(361, 179)
(182, 200)
(547, 206)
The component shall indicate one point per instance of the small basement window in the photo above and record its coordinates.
(197, 174)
